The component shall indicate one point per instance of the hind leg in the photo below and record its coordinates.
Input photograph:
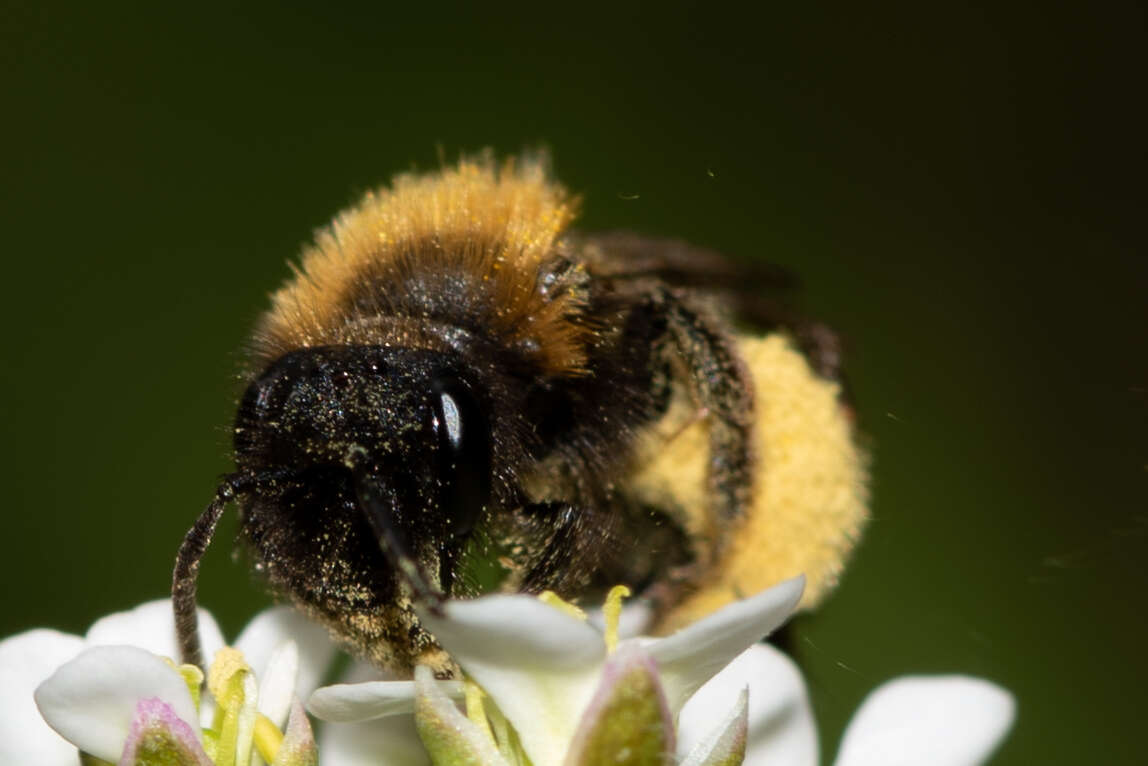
(721, 385)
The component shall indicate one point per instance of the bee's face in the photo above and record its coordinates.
(394, 440)
(317, 406)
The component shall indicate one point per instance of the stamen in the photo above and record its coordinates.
(505, 737)
(268, 738)
(612, 613)
(193, 677)
(476, 710)
(551, 598)
(226, 678)
(224, 666)
(211, 744)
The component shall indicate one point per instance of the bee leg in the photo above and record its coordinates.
(721, 384)
(657, 557)
(579, 558)
(557, 524)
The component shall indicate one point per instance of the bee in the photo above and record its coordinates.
(456, 393)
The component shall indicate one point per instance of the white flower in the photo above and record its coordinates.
(541, 668)
(98, 682)
(936, 720)
(548, 674)
(940, 720)
(107, 694)
(25, 661)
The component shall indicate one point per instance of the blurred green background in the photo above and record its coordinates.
(962, 191)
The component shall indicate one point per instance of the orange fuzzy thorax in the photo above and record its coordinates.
(486, 227)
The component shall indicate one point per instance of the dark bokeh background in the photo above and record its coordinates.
(962, 190)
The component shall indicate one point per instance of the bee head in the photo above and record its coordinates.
(404, 430)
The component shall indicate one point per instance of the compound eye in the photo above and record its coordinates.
(451, 420)
(464, 455)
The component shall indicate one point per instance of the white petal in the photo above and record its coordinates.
(353, 703)
(26, 660)
(938, 720)
(151, 626)
(694, 654)
(387, 742)
(781, 726)
(206, 709)
(538, 664)
(516, 631)
(92, 700)
(270, 628)
(277, 683)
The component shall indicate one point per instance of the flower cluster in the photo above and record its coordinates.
(114, 696)
(558, 696)
(543, 687)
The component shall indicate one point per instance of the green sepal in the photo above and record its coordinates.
(627, 723)
(159, 737)
(725, 746)
(298, 747)
(450, 738)
(91, 760)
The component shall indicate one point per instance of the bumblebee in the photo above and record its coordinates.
(457, 394)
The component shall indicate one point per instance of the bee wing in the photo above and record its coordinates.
(626, 255)
(755, 293)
